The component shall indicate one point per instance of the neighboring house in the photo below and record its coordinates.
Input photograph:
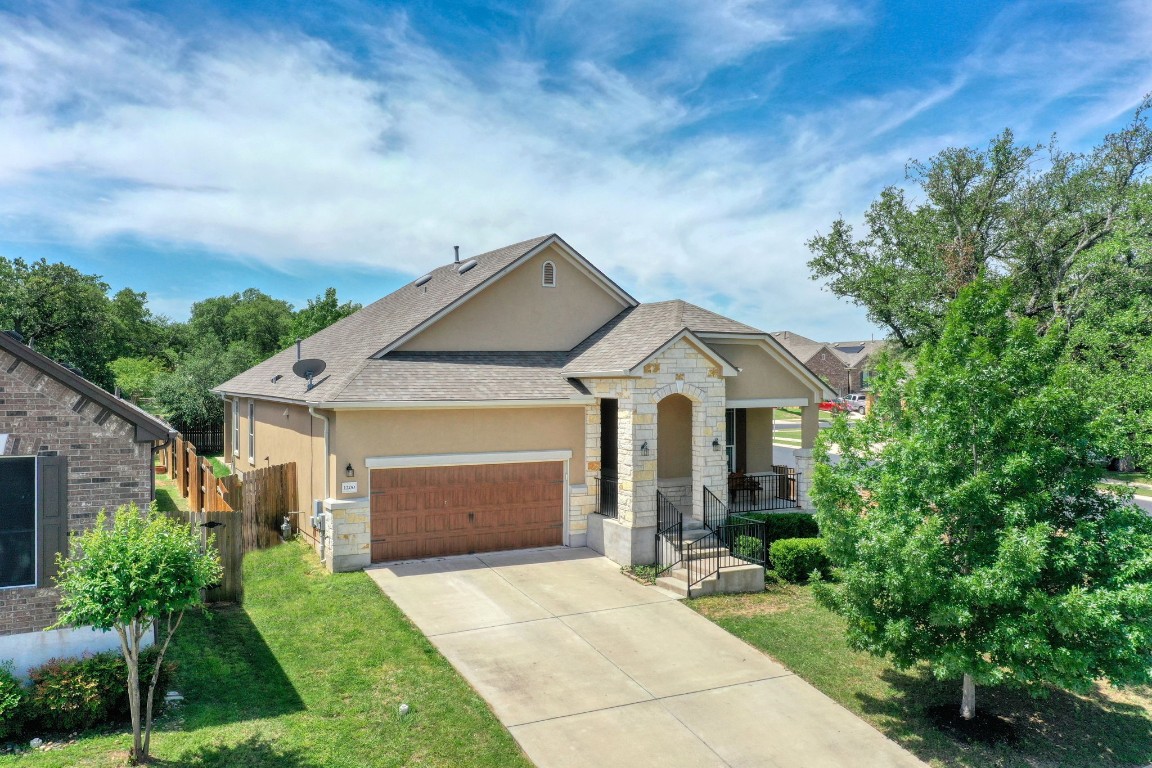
(844, 365)
(68, 449)
(498, 402)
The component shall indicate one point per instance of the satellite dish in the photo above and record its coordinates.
(308, 367)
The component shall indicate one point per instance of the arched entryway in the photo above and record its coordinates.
(674, 450)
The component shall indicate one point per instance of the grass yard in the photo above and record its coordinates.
(168, 498)
(219, 467)
(309, 673)
(1104, 730)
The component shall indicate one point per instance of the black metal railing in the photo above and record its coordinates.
(762, 491)
(732, 543)
(715, 510)
(669, 533)
(608, 496)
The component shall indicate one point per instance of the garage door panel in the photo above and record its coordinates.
(437, 511)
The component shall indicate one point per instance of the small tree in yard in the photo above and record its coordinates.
(965, 521)
(144, 570)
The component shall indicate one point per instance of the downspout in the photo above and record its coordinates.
(324, 490)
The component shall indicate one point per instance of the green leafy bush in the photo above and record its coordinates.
(749, 548)
(12, 702)
(794, 559)
(75, 694)
(784, 525)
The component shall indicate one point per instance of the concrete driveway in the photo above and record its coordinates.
(588, 668)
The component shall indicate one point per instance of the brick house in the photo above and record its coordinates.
(518, 398)
(68, 449)
(843, 365)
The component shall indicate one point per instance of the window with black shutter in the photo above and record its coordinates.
(17, 521)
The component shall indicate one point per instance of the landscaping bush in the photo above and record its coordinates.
(749, 548)
(785, 525)
(76, 694)
(794, 559)
(12, 702)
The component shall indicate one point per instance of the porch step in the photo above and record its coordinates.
(741, 578)
(679, 585)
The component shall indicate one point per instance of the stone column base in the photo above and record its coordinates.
(621, 543)
(347, 534)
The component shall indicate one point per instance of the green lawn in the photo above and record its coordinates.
(168, 498)
(309, 673)
(1130, 477)
(219, 467)
(787, 434)
(1107, 729)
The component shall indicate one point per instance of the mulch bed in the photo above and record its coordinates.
(984, 728)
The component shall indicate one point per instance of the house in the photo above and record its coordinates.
(68, 449)
(843, 365)
(518, 398)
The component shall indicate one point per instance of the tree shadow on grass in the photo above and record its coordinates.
(1062, 729)
(226, 672)
(253, 752)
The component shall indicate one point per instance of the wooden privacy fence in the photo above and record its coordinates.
(244, 513)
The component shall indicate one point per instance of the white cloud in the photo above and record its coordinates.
(277, 149)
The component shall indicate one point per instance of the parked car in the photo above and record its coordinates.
(836, 406)
(856, 402)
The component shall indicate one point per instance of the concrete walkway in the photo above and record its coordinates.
(588, 668)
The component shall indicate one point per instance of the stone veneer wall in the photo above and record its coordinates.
(107, 468)
(680, 369)
(347, 539)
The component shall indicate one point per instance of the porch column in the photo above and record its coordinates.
(809, 425)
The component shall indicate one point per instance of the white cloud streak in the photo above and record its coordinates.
(276, 149)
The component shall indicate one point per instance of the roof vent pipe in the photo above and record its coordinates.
(457, 249)
(298, 340)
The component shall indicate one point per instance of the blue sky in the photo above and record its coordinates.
(687, 148)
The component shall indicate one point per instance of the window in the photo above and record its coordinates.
(548, 275)
(731, 424)
(18, 521)
(251, 432)
(236, 427)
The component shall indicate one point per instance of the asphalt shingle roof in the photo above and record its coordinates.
(347, 345)
(403, 376)
(634, 334)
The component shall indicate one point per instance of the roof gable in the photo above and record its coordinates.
(148, 427)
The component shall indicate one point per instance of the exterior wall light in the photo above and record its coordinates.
(348, 471)
(716, 444)
(644, 448)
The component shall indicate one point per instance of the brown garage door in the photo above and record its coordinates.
(434, 511)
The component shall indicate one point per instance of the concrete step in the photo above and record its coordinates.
(680, 585)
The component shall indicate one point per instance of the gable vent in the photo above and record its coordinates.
(465, 266)
(548, 275)
(422, 280)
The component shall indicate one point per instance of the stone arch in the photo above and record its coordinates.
(679, 387)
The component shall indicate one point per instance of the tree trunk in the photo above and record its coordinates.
(968, 699)
(131, 645)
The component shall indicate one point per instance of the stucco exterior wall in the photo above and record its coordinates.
(360, 434)
(674, 437)
(517, 313)
(107, 468)
(760, 439)
(285, 433)
(760, 375)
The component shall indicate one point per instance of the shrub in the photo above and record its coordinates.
(785, 525)
(76, 694)
(749, 548)
(12, 702)
(794, 559)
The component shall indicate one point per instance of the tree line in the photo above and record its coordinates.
(965, 514)
(1067, 235)
(167, 366)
